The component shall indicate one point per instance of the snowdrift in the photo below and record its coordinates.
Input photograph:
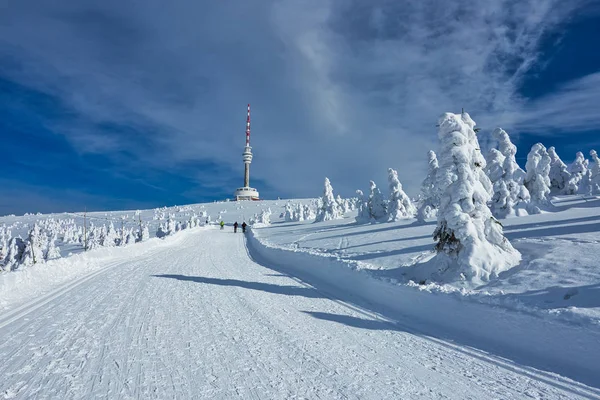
(542, 343)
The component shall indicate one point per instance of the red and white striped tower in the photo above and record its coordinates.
(246, 192)
(247, 152)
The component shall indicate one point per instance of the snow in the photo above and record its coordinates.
(301, 310)
(196, 316)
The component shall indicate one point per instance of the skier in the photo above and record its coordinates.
(235, 225)
(244, 227)
(222, 224)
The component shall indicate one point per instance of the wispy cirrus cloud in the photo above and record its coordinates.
(339, 88)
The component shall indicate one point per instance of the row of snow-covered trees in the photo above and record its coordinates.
(513, 191)
(469, 193)
(43, 241)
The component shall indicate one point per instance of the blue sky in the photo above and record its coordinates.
(136, 104)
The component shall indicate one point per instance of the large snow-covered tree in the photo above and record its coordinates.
(470, 242)
(559, 173)
(399, 205)
(376, 204)
(537, 180)
(329, 208)
(510, 196)
(429, 198)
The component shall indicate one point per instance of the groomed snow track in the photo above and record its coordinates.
(200, 319)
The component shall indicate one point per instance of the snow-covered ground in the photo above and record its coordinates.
(314, 310)
(196, 317)
(559, 275)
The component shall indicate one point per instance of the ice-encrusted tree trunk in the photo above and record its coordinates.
(595, 169)
(376, 204)
(559, 174)
(399, 205)
(429, 198)
(34, 247)
(509, 192)
(470, 243)
(537, 180)
(329, 208)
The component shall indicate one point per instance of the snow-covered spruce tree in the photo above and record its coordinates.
(288, 213)
(51, 252)
(14, 255)
(429, 198)
(509, 192)
(585, 184)
(399, 205)
(376, 204)
(470, 242)
(537, 180)
(595, 169)
(363, 215)
(559, 174)
(578, 170)
(35, 244)
(329, 209)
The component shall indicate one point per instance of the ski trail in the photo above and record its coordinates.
(200, 319)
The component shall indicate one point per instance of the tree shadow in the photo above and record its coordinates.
(265, 287)
(554, 231)
(510, 228)
(555, 297)
(405, 250)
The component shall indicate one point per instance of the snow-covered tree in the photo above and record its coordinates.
(52, 251)
(429, 198)
(34, 247)
(329, 208)
(537, 180)
(399, 205)
(578, 170)
(376, 204)
(559, 174)
(288, 213)
(111, 236)
(14, 255)
(509, 191)
(470, 242)
(362, 206)
(595, 170)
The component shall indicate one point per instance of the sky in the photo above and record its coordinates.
(141, 103)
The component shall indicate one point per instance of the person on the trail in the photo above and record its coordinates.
(235, 225)
(222, 224)
(244, 227)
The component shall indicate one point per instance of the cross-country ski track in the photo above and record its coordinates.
(198, 318)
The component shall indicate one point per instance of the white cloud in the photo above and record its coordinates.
(338, 88)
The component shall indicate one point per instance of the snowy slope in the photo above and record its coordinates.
(559, 275)
(195, 317)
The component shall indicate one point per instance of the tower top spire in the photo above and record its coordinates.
(248, 128)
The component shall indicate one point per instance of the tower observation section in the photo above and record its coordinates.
(246, 192)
